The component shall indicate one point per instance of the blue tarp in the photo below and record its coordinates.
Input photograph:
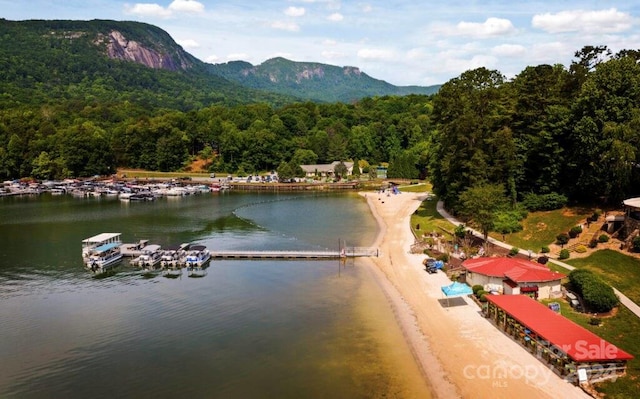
(456, 289)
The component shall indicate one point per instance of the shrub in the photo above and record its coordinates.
(594, 321)
(514, 251)
(581, 249)
(443, 257)
(543, 202)
(564, 254)
(562, 238)
(598, 296)
(636, 244)
(543, 260)
(603, 238)
(595, 216)
(477, 288)
(545, 249)
(575, 231)
(483, 297)
(593, 243)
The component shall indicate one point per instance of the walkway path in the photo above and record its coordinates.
(632, 306)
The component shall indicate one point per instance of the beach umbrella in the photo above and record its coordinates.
(456, 289)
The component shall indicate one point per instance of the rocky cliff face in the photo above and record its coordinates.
(119, 47)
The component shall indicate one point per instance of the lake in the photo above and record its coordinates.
(248, 329)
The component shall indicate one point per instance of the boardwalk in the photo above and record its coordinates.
(346, 253)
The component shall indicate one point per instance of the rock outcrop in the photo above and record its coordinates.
(119, 47)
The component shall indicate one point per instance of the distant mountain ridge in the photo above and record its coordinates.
(320, 82)
(59, 53)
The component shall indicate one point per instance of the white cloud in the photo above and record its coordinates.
(188, 43)
(603, 21)
(335, 17)
(288, 26)
(509, 50)
(372, 54)
(212, 59)
(156, 10)
(490, 27)
(186, 6)
(148, 10)
(367, 8)
(295, 11)
(329, 42)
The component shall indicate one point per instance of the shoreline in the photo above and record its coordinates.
(460, 353)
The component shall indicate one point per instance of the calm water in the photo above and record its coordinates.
(248, 329)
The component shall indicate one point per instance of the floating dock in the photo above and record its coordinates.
(347, 253)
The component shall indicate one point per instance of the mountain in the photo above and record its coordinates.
(45, 61)
(314, 81)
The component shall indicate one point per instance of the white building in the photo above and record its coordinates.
(513, 276)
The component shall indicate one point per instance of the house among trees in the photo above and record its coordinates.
(512, 276)
(326, 170)
(631, 227)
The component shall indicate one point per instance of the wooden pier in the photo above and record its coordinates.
(346, 253)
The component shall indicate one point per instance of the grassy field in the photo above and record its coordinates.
(541, 228)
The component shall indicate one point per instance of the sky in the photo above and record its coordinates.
(404, 42)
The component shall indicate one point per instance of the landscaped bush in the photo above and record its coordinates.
(562, 238)
(514, 251)
(595, 216)
(543, 202)
(443, 257)
(593, 243)
(636, 244)
(575, 231)
(564, 254)
(545, 249)
(594, 321)
(477, 288)
(543, 260)
(598, 296)
(603, 238)
(581, 249)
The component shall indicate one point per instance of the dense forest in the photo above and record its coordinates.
(552, 131)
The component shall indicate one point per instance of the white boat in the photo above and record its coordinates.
(197, 256)
(104, 257)
(171, 256)
(91, 243)
(150, 257)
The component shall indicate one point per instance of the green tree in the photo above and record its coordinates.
(480, 206)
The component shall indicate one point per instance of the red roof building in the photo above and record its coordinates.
(566, 345)
(513, 276)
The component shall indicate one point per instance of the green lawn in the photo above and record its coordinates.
(430, 220)
(541, 228)
(617, 269)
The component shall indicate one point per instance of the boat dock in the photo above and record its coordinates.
(132, 250)
(346, 253)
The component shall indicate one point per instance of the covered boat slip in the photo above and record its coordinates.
(94, 242)
(571, 350)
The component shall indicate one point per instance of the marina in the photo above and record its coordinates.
(106, 249)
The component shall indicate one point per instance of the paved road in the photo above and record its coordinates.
(632, 306)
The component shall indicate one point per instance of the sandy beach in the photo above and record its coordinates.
(462, 354)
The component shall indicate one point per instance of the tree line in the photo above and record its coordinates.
(549, 135)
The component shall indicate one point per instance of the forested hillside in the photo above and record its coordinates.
(312, 80)
(560, 133)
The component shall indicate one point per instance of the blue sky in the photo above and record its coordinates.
(403, 42)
